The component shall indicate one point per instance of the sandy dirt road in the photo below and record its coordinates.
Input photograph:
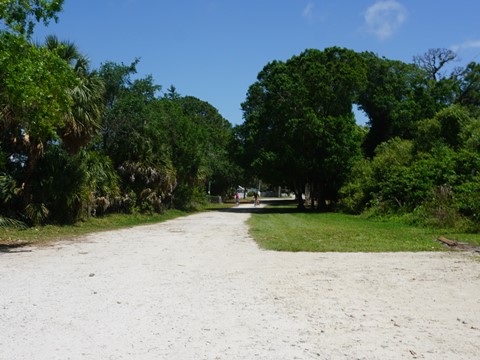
(199, 288)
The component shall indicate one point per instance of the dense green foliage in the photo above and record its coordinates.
(420, 147)
(76, 142)
(165, 148)
(299, 127)
(426, 166)
(20, 16)
(434, 177)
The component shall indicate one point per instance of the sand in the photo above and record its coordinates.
(199, 287)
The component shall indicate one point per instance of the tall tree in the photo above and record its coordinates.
(117, 80)
(34, 101)
(84, 121)
(135, 137)
(299, 126)
(214, 135)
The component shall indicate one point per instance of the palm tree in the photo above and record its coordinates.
(85, 118)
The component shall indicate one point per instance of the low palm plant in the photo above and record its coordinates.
(37, 213)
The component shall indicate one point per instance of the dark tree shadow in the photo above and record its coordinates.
(13, 248)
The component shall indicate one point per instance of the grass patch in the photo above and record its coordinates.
(285, 229)
(47, 233)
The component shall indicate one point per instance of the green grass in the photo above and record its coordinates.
(42, 234)
(284, 229)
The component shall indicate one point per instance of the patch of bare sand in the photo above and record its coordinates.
(199, 288)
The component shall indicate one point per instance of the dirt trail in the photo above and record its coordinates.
(199, 288)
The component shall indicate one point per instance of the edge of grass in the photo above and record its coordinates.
(41, 235)
(284, 229)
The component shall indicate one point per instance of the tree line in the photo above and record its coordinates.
(77, 142)
(418, 156)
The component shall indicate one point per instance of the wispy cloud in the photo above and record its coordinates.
(467, 45)
(385, 17)
(308, 10)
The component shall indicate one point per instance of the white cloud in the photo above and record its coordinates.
(470, 44)
(308, 10)
(384, 17)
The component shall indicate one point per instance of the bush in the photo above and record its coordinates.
(355, 194)
(441, 207)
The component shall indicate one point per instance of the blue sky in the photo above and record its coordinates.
(214, 49)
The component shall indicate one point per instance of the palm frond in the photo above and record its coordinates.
(13, 223)
(37, 213)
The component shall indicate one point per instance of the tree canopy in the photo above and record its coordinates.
(299, 127)
(77, 142)
(21, 16)
(299, 132)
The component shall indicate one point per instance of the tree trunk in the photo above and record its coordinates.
(35, 152)
(299, 198)
(322, 203)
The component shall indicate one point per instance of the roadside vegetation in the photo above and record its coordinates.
(288, 229)
(78, 143)
(418, 157)
(11, 236)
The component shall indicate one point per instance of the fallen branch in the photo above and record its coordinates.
(446, 241)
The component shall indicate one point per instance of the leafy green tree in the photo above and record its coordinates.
(452, 120)
(265, 112)
(215, 135)
(166, 147)
(117, 81)
(389, 100)
(187, 149)
(355, 194)
(49, 98)
(135, 137)
(467, 165)
(299, 128)
(21, 16)
(33, 87)
(446, 128)
(398, 180)
(399, 95)
(35, 101)
(468, 87)
(391, 178)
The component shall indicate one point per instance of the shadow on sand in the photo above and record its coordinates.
(13, 248)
